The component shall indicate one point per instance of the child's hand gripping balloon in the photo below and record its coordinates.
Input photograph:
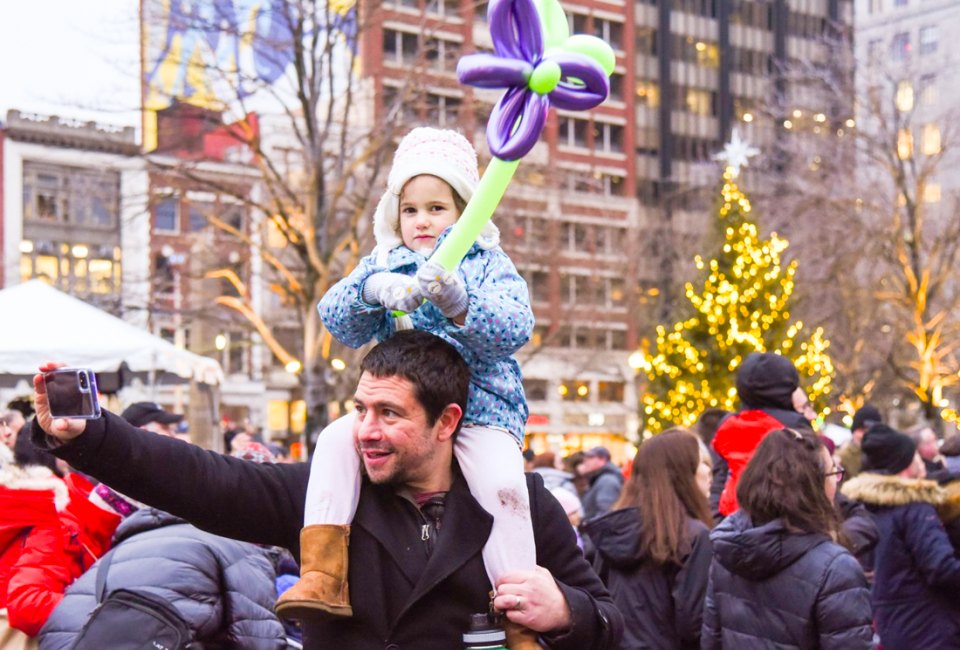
(443, 288)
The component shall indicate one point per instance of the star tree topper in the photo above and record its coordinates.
(736, 153)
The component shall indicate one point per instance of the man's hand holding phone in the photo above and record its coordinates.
(62, 428)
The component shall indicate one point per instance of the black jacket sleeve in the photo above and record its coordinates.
(690, 587)
(226, 496)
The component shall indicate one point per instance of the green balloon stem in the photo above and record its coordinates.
(475, 216)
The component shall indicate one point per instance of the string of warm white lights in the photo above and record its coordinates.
(742, 307)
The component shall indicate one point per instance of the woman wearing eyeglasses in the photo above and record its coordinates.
(779, 578)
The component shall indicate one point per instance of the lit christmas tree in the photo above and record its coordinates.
(741, 307)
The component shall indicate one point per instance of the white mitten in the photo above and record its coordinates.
(443, 288)
(394, 291)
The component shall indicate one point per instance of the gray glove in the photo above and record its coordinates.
(394, 291)
(443, 288)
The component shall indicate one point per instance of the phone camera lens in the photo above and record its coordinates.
(83, 380)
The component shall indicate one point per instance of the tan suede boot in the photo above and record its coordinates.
(520, 637)
(323, 575)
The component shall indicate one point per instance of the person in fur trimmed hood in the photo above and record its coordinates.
(917, 570)
(50, 533)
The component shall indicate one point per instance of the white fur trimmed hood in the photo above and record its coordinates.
(32, 477)
(883, 490)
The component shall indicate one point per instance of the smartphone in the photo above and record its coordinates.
(72, 393)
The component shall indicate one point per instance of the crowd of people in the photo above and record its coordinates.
(419, 514)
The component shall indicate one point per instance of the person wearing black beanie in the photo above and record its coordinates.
(887, 451)
(766, 383)
(917, 571)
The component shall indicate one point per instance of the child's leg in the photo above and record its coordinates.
(334, 487)
(493, 467)
(332, 495)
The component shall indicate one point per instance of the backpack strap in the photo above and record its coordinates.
(102, 575)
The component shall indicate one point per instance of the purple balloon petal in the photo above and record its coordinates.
(515, 29)
(489, 71)
(516, 122)
(583, 83)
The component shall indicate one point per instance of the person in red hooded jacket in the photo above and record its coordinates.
(766, 383)
(50, 533)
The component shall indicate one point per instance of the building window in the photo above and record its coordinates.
(608, 137)
(616, 87)
(539, 286)
(904, 144)
(442, 110)
(874, 6)
(198, 216)
(699, 101)
(610, 391)
(904, 98)
(930, 144)
(573, 132)
(703, 53)
(442, 7)
(646, 40)
(928, 90)
(610, 31)
(929, 36)
(572, 390)
(76, 268)
(166, 214)
(442, 55)
(535, 389)
(68, 195)
(648, 94)
(233, 216)
(399, 48)
(578, 23)
(900, 47)
(616, 292)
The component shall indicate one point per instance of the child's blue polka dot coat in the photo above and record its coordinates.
(499, 322)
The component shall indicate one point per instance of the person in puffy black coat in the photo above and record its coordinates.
(777, 578)
(917, 571)
(653, 550)
(224, 589)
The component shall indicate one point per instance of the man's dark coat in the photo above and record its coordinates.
(401, 599)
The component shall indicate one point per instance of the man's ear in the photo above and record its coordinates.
(448, 421)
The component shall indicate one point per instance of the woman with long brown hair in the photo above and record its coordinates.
(779, 578)
(653, 549)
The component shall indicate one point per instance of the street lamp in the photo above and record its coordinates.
(293, 366)
(338, 364)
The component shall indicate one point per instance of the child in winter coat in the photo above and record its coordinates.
(482, 309)
(50, 533)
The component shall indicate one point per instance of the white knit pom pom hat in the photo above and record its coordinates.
(438, 152)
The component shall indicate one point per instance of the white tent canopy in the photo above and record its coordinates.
(39, 323)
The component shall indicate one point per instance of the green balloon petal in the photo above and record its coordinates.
(597, 49)
(555, 28)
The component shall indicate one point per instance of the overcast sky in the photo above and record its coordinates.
(74, 58)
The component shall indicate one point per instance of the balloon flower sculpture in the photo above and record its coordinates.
(540, 64)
